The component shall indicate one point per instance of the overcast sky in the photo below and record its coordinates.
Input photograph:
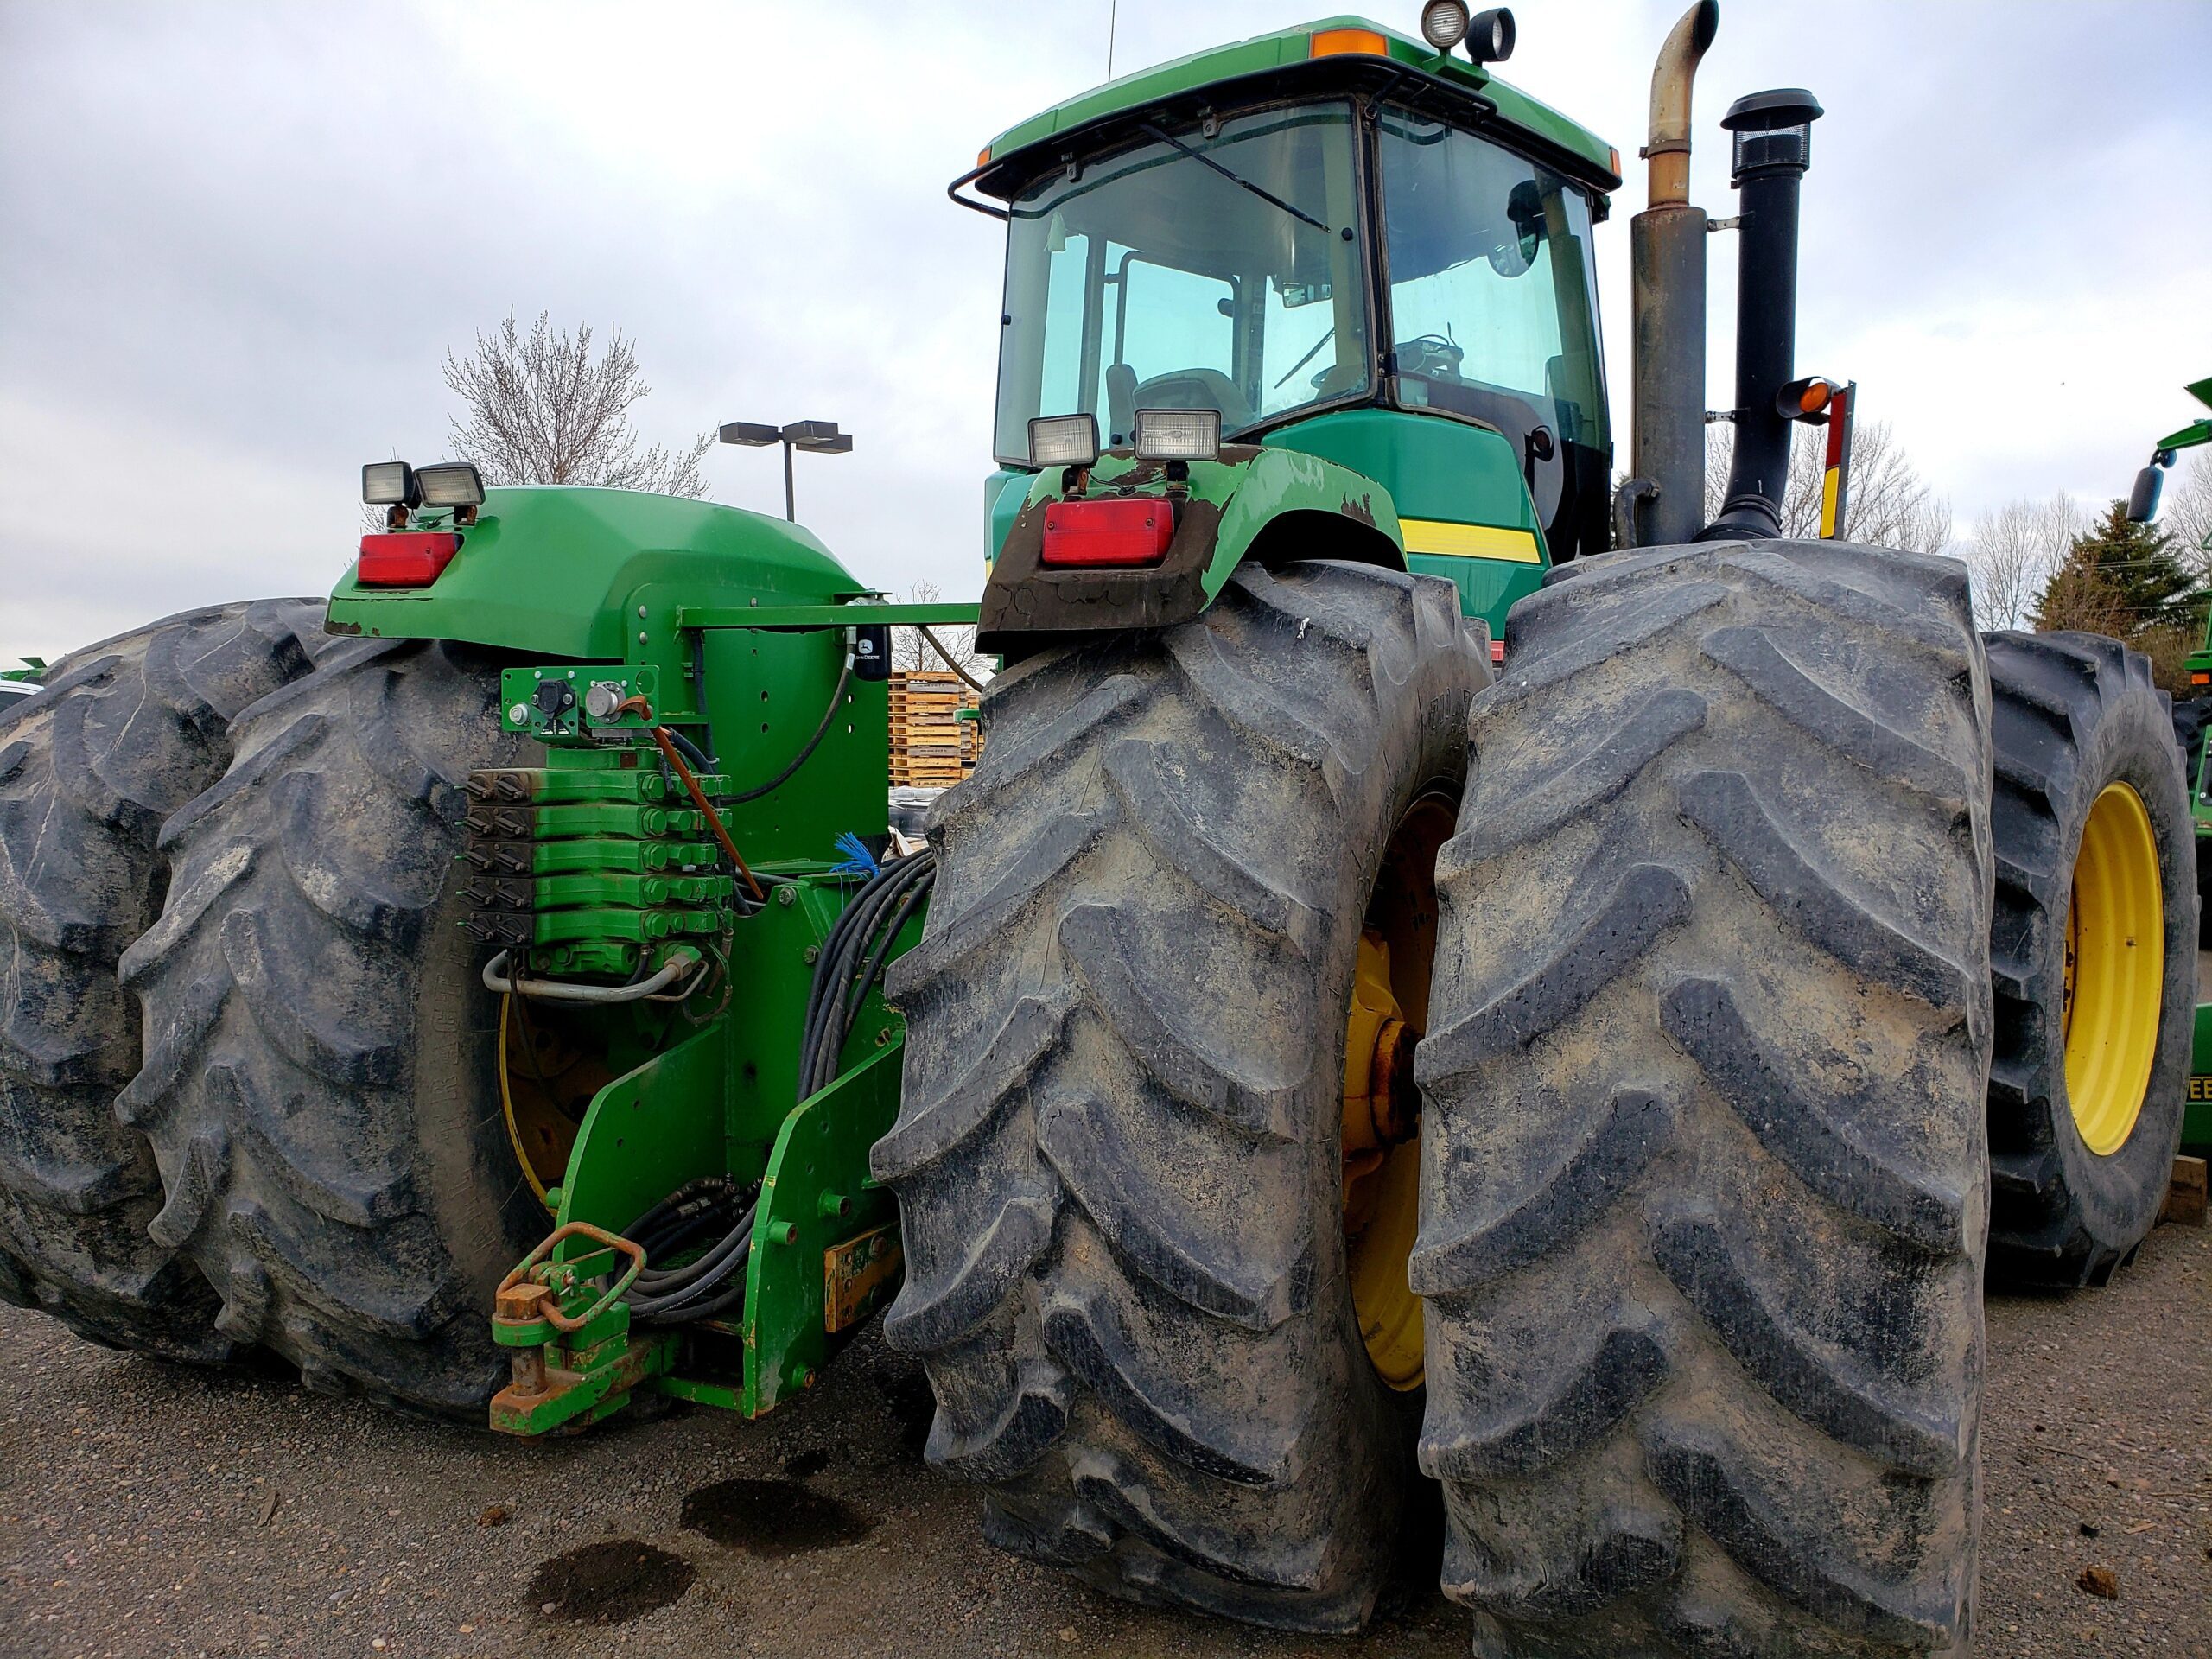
(236, 241)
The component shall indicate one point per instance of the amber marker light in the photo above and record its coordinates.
(1331, 42)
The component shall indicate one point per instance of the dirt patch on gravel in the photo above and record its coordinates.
(772, 1519)
(610, 1583)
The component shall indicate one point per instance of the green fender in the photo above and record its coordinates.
(560, 572)
(1250, 489)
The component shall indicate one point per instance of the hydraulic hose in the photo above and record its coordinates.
(852, 959)
(713, 1212)
(829, 716)
(680, 962)
(699, 757)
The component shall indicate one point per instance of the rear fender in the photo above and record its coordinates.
(1267, 504)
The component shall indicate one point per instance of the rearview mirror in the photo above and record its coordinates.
(2143, 500)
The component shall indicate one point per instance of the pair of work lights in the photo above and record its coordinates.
(394, 484)
(1160, 435)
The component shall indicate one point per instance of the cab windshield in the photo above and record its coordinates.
(1154, 280)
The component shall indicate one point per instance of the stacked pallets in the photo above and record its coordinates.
(932, 746)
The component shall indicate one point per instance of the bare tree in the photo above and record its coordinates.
(2015, 549)
(1890, 503)
(951, 646)
(542, 409)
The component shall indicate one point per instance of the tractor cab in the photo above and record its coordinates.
(1343, 242)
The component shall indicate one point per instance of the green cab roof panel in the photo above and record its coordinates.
(1284, 48)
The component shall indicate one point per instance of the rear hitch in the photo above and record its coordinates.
(572, 1357)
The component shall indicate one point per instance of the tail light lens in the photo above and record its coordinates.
(405, 558)
(1125, 532)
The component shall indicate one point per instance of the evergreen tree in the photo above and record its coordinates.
(2125, 580)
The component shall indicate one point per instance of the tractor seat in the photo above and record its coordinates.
(1185, 388)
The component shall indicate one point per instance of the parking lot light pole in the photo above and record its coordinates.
(817, 438)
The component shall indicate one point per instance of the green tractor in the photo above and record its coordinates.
(2192, 718)
(1446, 978)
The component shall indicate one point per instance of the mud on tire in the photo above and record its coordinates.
(1117, 1159)
(2073, 713)
(1704, 1189)
(124, 733)
(321, 1082)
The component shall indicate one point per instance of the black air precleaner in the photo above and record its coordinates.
(1774, 147)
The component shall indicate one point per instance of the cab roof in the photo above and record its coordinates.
(1346, 45)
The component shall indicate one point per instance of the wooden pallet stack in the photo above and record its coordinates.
(932, 746)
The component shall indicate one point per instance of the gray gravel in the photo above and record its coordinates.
(150, 1511)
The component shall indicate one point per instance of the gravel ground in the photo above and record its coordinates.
(150, 1511)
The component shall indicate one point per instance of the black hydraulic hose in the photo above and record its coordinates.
(684, 1303)
(692, 751)
(711, 1208)
(836, 960)
(829, 716)
(699, 1277)
(839, 984)
(885, 936)
(853, 958)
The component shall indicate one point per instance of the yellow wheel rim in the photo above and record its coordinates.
(1381, 1108)
(2114, 970)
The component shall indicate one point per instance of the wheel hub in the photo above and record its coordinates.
(1382, 1105)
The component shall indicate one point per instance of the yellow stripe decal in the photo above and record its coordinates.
(1469, 541)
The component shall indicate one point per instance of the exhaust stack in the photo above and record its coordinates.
(1774, 146)
(1663, 501)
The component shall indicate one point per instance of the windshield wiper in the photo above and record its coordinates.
(1241, 182)
(1308, 358)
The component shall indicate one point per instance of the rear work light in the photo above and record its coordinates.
(1179, 434)
(390, 484)
(1064, 441)
(1125, 532)
(450, 484)
(405, 558)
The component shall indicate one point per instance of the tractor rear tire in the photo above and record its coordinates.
(124, 732)
(1704, 1190)
(320, 1079)
(2077, 1176)
(1118, 1155)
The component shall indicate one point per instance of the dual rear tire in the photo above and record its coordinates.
(248, 1077)
(1704, 1108)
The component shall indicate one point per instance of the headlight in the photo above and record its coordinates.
(1064, 441)
(1444, 23)
(1179, 434)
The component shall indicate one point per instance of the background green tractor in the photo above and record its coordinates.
(2190, 719)
(1415, 997)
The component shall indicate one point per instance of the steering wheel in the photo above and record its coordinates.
(1433, 356)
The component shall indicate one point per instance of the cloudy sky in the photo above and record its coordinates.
(236, 241)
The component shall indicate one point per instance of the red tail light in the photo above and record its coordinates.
(1125, 530)
(405, 558)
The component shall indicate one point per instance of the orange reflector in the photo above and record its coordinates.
(2200, 679)
(1613, 162)
(1328, 42)
(983, 156)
